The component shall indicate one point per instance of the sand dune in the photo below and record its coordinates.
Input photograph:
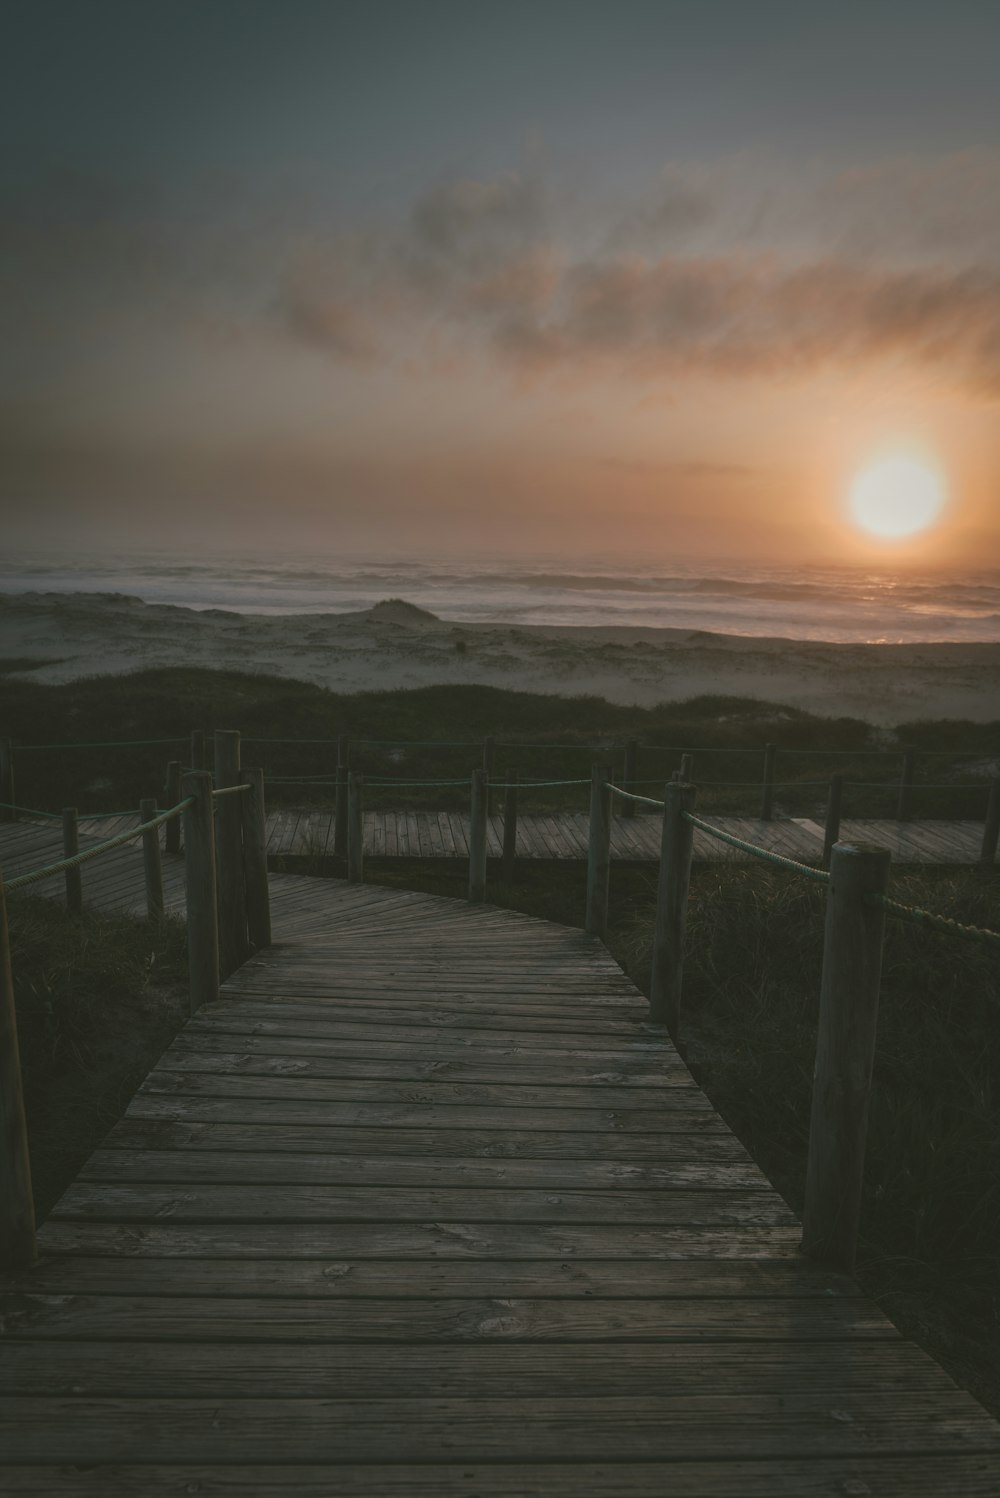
(397, 645)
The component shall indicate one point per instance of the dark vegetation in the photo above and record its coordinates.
(98, 999)
(436, 733)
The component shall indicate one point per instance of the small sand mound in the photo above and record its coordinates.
(398, 611)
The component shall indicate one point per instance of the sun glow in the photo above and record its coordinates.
(897, 495)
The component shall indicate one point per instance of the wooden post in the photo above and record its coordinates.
(904, 807)
(489, 765)
(627, 808)
(151, 862)
(255, 859)
(71, 847)
(355, 827)
(17, 1208)
(340, 814)
(197, 749)
(172, 834)
(7, 812)
(767, 794)
(599, 851)
(687, 768)
(510, 827)
(991, 829)
(234, 945)
(832, 832)
(199, 879)
(676, 841)
(845, 1051)
(477, 837)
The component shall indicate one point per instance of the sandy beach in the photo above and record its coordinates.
(397, 646)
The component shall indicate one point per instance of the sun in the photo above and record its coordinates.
(897, 495)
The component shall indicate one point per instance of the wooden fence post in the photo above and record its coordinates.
(172, 834)
(845, 1051)
(676, 842)
(255, 859)
(477, 836)
(687, 768)
(831, 833)
(767, 792)
(151, 862)
(627, 808)
(355, 827)
(599, 851)
(71, 847)
(7, 812)
(340, 813)
(17, 1208)
(197, 749)
(234, 946)
(199, 880)
(489, 765)
(510, 827)
(991, 830)
(904, 806)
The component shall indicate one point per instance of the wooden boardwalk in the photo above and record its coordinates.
(425, 1206)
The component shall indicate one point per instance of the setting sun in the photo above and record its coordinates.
(896, 496)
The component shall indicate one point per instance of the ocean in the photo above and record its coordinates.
(819, 603)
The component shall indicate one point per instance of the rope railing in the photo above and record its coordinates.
(230, 790)
(35, 875)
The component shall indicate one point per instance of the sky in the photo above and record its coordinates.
(630, 278)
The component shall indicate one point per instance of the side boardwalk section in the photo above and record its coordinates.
(425, 1206)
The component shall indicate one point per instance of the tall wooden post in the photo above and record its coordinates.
(197, 749)
(834, 801)
(687, 768)
(199, 879)
(355, 827)
(510, 828)
(676, 842)
(234, 945)
(767, 791)
(627, 808)
(172, 829)
(7, 811)
(151, 862)
(71, 847)
(489, 765)
(17, 1208)
(845, 1052)
(904, 806)
(255, 859)
(340, 803)
(991, 830)
(477, 836)
(599, 851)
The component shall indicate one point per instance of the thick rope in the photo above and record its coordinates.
(106, 847)
(820, 876)
(638, 800)
(108, 744)
(918, 917)
(231, 790)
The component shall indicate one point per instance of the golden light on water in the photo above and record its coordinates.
(897, 495)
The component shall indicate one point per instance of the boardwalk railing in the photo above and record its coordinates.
(856, 909)
(228, 915)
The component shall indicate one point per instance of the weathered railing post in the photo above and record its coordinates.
(340, 801)
(767, 790)
(904, 806)
(71, 847)
(255, 859)
(234, 946)
(831, 833)
(991, 830)
(599, 851)
(151, 862)
(17, 1209)
(627, 808)
(199, 879)
(676, 842)
(172, 829)
(845, 1052)
(489, 765)
(7, 811)
(197, 749)
(682, 775)
(477, 836)
(355, 827)
(510, 827)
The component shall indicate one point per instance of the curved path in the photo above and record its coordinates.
(425, 1206)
